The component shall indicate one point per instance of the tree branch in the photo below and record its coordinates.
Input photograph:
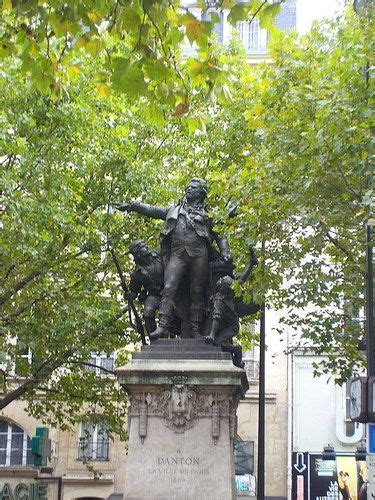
(93, 365)
(18, 286)
(23, 388)
(257, 11)
(335, 241)
(339, 245)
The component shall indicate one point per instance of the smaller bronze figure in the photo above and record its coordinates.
(225, 321)
(147, 281)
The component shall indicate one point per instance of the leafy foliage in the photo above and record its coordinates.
(63, 161)
(290, 149)
(140, 43)
(304, 184)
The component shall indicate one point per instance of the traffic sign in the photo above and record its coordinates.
(371, 438)
(299, 464)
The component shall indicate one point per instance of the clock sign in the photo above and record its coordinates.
(358, 399)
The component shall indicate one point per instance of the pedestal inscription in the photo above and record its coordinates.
(179, 465)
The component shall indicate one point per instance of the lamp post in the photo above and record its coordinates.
(261, 408)
(370, 331)
(363, 8)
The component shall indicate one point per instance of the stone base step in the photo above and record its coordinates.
(179, 348)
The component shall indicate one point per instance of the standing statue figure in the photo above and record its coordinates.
(147, 281)
(186, 247)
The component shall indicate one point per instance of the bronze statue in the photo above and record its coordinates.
(225, 321)
(187, 248)
(147, 281)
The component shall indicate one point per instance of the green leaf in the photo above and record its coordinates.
(156, 70)
(7, 5)
(267, 16)
(238, 12)
(154, 115)
(128, 78)
(94, 46)
(131, 20)
(195, 29)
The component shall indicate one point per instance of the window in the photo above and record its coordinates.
(23, 362)
(100, 363)
(15, 446)
(93, 443)
(243, 457)
(253, 38)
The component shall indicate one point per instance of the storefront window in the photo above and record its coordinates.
(244, 457)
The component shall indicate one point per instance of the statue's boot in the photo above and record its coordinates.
(150, 324)
(159, 333)
(162, 330)
(209, 340)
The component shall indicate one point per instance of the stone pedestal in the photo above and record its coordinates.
(182, 421)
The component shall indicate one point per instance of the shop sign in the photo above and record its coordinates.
(245, 484)
(316, 479)
(22, 491)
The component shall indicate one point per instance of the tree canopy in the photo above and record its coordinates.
(290, 149)
(305, 185)
(139, 44)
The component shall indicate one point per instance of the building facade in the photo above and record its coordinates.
(303, 414)
(253, 38)
(66, 476)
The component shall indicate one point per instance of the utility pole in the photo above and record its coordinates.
(370, 331)
(262, 407)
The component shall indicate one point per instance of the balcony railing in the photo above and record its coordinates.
(89, 449)
(252, 369)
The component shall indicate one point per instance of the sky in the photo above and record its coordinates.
(310, 10)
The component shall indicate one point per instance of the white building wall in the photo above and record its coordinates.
(319, 410)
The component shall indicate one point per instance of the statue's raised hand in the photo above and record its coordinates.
(124, 207)
(225, 257)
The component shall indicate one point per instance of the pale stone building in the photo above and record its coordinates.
(70, 479)
(303, 414)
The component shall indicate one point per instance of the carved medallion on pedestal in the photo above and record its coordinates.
(181, 405)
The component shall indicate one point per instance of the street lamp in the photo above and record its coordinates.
(360, 453)
(328, 452)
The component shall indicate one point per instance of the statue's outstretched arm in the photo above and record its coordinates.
(153, 211)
